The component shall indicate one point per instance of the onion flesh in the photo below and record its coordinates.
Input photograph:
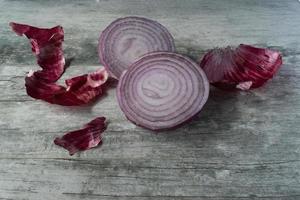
(243, 68)
(162, 90)
(126, 39)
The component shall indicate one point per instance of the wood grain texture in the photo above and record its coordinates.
(243, 145)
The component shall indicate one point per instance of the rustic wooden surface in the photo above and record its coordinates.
(244, 145)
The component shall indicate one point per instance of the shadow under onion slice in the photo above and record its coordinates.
(126, 39)
(243, 68)
(83, 139)
(47, 46)
(162, 90)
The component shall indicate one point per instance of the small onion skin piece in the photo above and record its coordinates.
(162, 91)
(126, 39)
(245, 67)
(86, 138)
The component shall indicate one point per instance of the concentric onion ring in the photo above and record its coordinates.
(162, 90)
(126, 39)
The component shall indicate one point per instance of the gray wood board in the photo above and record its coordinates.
(243, 145)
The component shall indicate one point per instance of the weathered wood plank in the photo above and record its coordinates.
(243, 145)
(128, 178)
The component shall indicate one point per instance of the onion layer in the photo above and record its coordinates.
(127, 39)
(80, 90)
(46, 44)
(162, 90)
(242, 68)
(83, 139)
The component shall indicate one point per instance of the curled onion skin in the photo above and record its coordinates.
(162, 90)
(85, 138)
(80, 90)
(126, 39)
(46, 44)
(244, 67)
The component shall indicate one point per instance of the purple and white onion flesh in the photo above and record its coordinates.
(162, 90)
(127, 39)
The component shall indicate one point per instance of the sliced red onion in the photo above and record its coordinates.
(127, 39)
(162, 90)
(86, 138)
(47, 46)
(243, 68)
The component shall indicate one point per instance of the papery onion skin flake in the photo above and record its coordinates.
(126, 39)
(47, 46)
(244, 67)
(86, 138)
(162, 91)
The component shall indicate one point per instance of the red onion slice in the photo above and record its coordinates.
(243, 68)
(127, 39)
(83, 139)
(162, 90)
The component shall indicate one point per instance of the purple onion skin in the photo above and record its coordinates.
(244, 67)
(165, 43)
(187, 120)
